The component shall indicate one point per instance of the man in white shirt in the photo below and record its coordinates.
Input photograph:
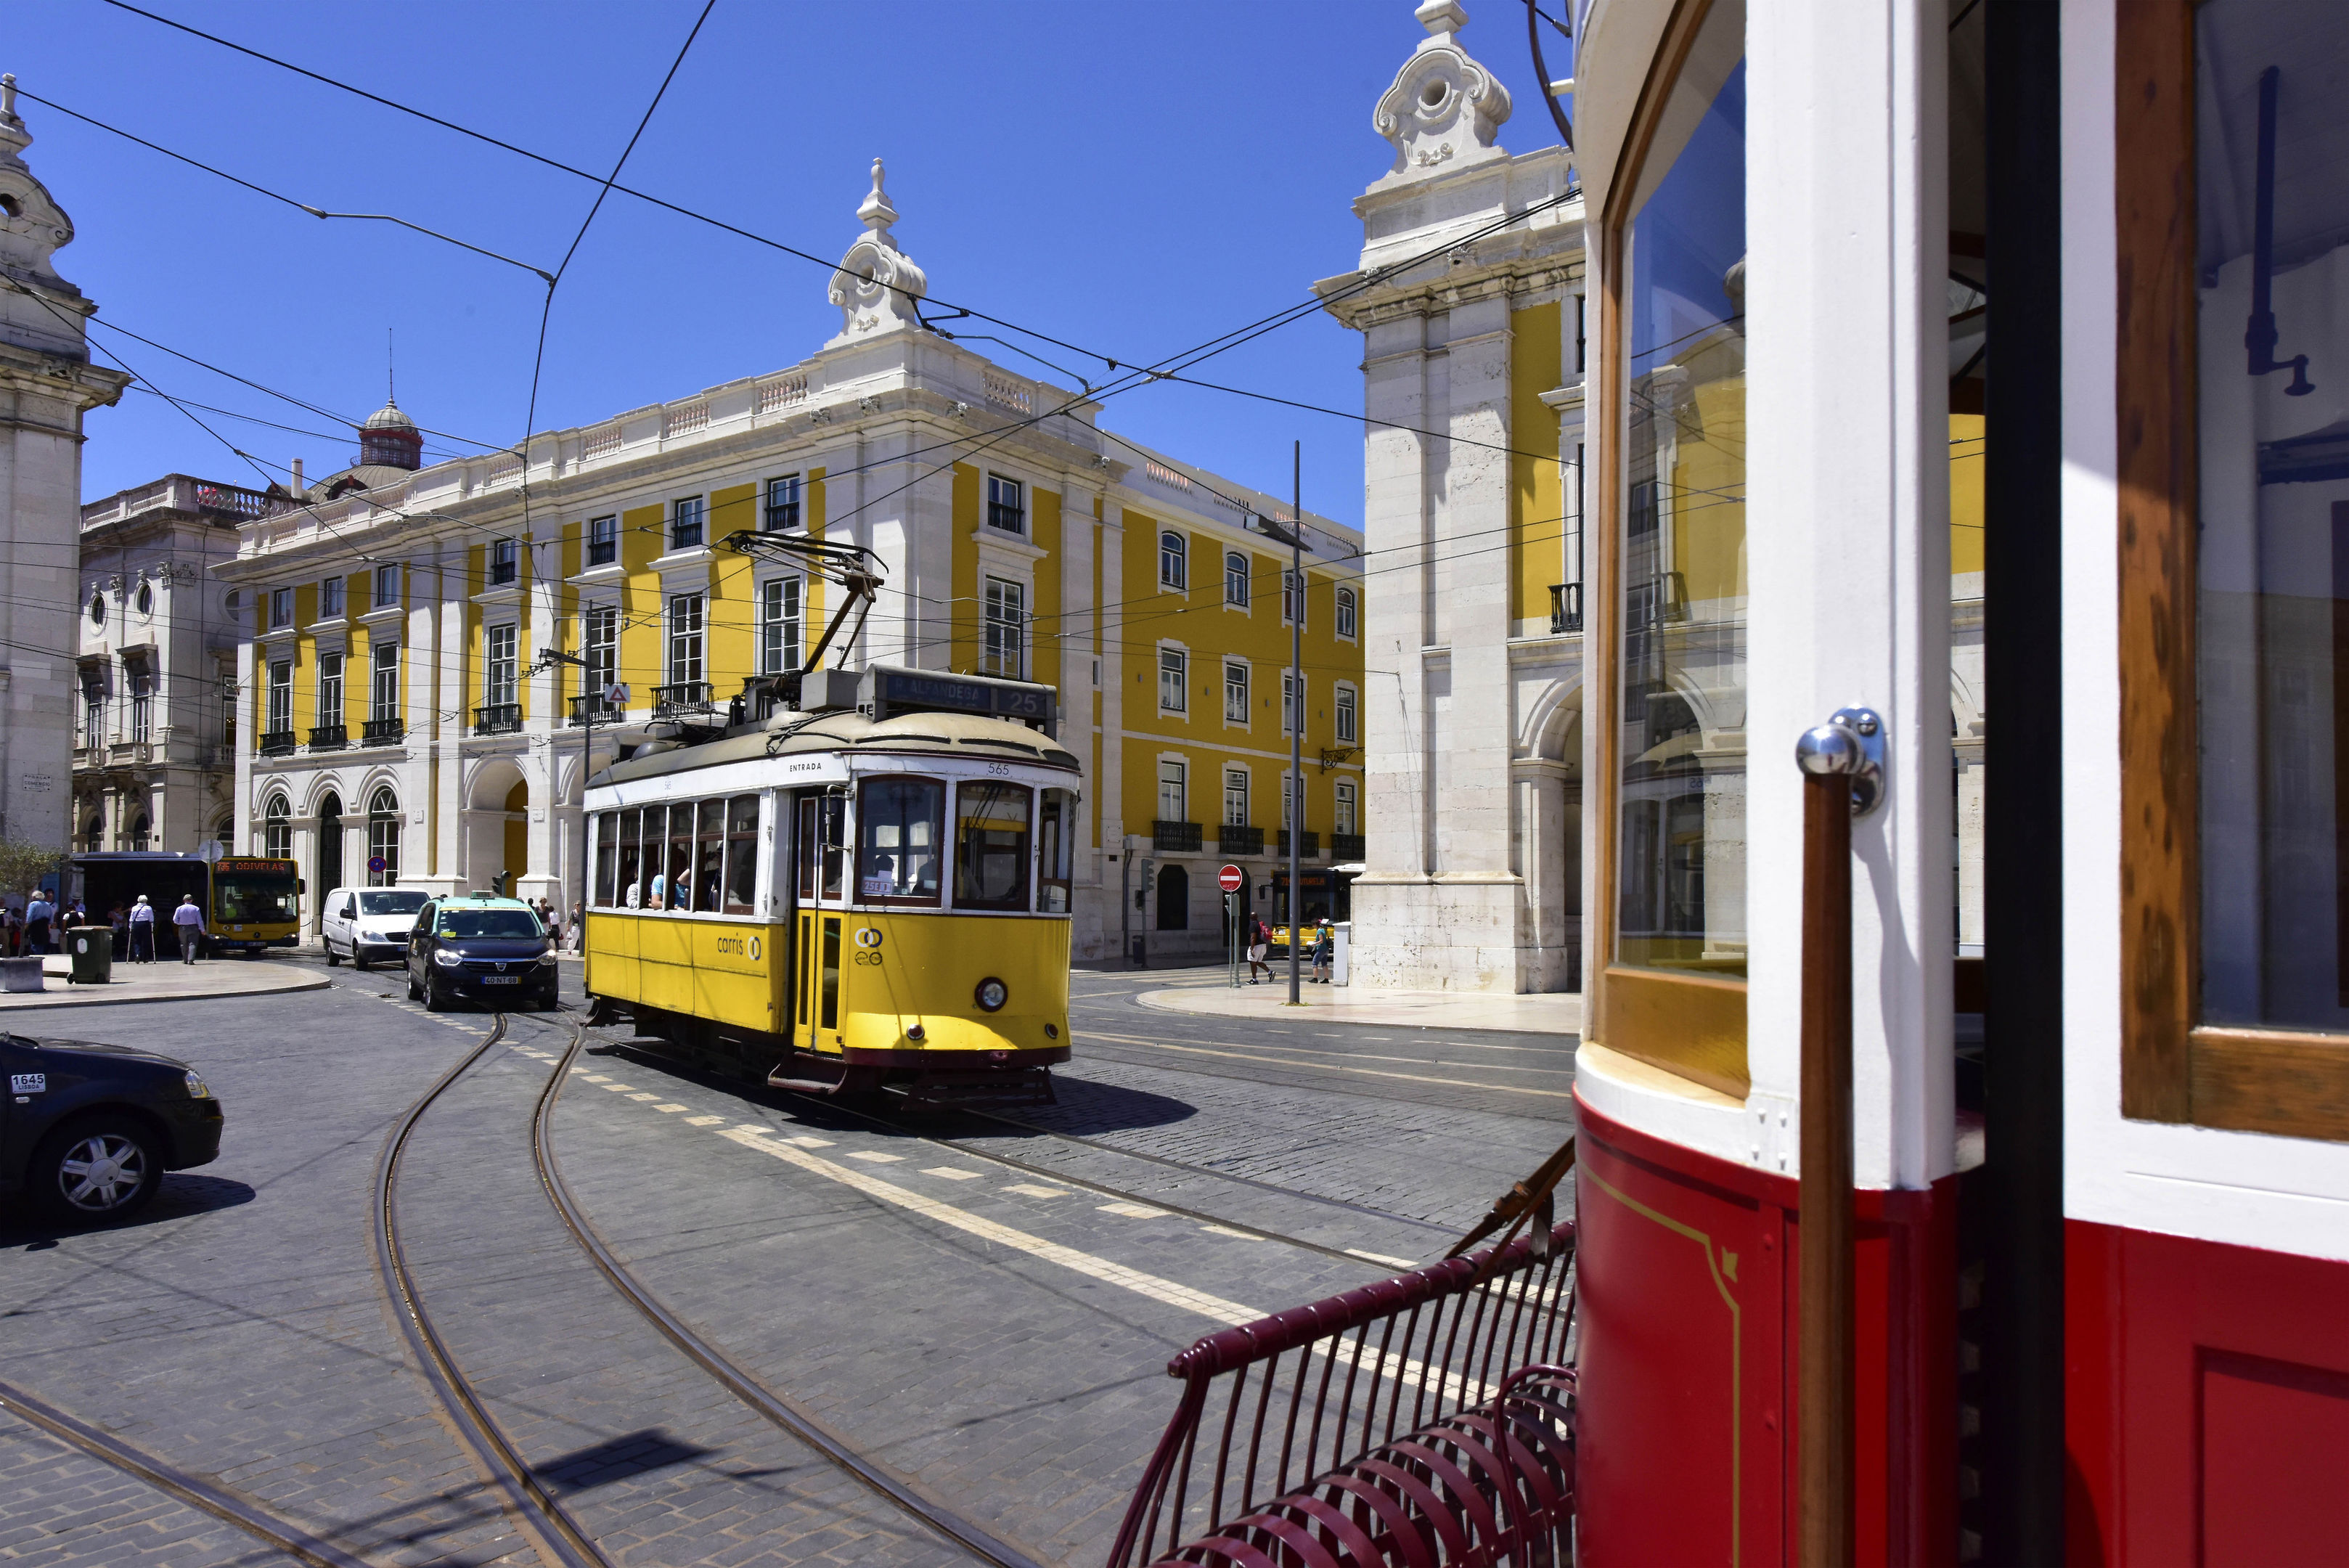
(189, 920)
(142, 931)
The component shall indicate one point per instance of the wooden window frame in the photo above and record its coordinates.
(1692, 1026)
(2174, 1067)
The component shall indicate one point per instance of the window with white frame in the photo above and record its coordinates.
(330, 598)
(1174, 560)
(383, 693)
(277, 828)
(383, 838)
(685, 646)
(93, 709)
(1346, 715)
(687, 516)
(1235, 691)
(603, 541)
(1288, 700)
(387, 585)
(1235, 797)
(500, 665)
(1006, 649)
(141, 681)
(783, 512)
(1345, 612)
(330, 690)
(1288, 792)
(1173, 680)
(600, 642)
(281, 607)
(1292, 598)
(1236, 578)
(1170, 790)
(281, 697)
(779, 626)
(1342, 818)
(1007, 506)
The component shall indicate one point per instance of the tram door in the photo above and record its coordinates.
(817, 918)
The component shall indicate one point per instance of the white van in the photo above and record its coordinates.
(363, 924)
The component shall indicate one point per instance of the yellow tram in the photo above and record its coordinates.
(838, 903)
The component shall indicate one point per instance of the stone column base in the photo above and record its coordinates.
(1439, 933)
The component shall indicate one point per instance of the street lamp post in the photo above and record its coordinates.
(1294, 796)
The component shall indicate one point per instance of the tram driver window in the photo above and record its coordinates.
(899, 824)
(2270, 152)
(1056, 825)
(992, 846)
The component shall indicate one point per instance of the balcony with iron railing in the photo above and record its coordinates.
(1346, 846)
(1308, 845)
(1232, 839)
(681, 697)
(383, 731)
(330, 737)
(594, 707)
(1564, 607)
(276, 743)
(498, 719)
(1175, 836)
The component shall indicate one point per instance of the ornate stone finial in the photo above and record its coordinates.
(1444, 108)
(1441, 18)
(876, 284)
(9, 96)
(877, 213)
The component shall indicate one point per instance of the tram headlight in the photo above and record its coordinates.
(991, 995)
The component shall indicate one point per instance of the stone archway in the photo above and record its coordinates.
(497, 836)
(330, 847)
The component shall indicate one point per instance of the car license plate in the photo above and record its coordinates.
(501, 979)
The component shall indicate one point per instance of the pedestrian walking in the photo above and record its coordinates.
(141, 924)
(189, 921)
(39, 916)
(578, 931)
(1323, 937)
(1260, 944)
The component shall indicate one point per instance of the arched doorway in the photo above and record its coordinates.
(1173, 899)
(330, 846)
(140, 831)
(383, 838)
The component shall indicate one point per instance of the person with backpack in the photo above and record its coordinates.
(1259, 943)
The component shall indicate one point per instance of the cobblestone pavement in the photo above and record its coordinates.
(995, 1335)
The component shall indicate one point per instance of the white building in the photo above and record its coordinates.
(155, 687)
(47, 384)
(1472, 365)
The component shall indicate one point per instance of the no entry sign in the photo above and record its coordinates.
(1231, 879)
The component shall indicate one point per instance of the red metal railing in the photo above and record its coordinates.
(1423, 1420)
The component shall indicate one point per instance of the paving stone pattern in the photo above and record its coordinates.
(63, 1507)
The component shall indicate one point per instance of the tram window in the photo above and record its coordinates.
(710, 873)
(898, 827)
(630, 890)
(830, 1017)
(1055, 824)
(607, 826)
(680, 857)
(741, 854)
(992, 846)
(822, 823)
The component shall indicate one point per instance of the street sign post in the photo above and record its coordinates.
(375, 863)
(1231, 879)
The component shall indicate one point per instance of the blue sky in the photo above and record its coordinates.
(1132, 179)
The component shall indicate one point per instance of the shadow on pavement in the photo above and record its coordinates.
(181, 1196)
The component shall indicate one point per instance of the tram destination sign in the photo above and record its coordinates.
(911, 691)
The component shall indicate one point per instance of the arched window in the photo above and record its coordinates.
(140, 828)
(1236, 578)
(1174, 560)
(383, 838)
(93, 838)
(224, 832)
(277, 828)
(1173, 899)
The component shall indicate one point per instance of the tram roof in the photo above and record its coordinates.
(931, 734)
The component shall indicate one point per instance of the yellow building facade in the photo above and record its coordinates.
(399, 723)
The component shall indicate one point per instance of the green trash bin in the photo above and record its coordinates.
(92, 949)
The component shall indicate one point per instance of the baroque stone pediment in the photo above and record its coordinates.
(1444, 109)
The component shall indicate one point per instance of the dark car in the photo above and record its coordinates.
(87, 1130)
(490, 950)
